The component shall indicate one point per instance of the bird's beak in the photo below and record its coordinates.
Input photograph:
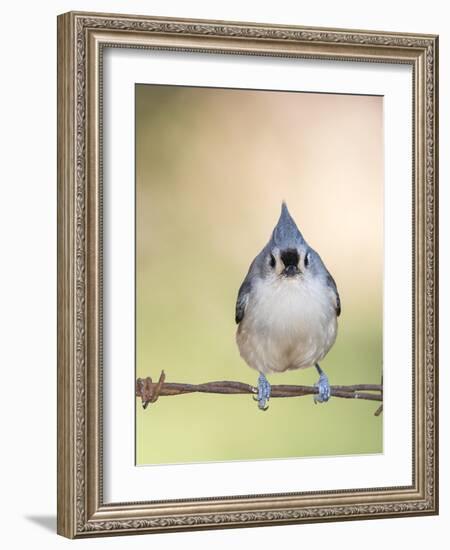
(291, 271)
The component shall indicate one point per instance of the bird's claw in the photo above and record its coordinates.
(263, 393)
(324, 388)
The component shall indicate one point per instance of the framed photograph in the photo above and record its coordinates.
(247, 274)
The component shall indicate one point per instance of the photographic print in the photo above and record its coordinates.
(259, 274)
(247, 274)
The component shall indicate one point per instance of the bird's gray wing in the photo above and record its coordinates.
(332, 284)
(242, 299)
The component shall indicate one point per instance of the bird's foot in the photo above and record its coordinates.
(323, 386)
(263, 392)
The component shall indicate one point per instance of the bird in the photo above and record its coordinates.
(286, 310)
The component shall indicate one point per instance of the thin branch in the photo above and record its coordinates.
(150, 391)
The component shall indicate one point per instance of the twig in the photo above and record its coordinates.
(150, 391)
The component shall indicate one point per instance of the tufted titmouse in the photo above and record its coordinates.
(287, 309)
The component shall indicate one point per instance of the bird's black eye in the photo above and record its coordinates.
(272, 261)
(306, 259)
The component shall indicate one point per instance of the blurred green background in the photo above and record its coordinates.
(212, 167)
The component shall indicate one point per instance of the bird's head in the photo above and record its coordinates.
(287, 254)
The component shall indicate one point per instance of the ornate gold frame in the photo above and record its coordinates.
(81, 38)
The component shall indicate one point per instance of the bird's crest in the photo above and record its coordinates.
(286, 233)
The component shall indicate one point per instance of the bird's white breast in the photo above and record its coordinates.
(289, 323)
